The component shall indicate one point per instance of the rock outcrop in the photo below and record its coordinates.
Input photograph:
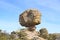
(29, 18)
(30, 35)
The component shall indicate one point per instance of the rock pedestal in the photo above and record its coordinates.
(29, 18)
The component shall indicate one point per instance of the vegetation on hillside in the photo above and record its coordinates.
(21, 35)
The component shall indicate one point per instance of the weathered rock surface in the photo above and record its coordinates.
(32, 35)
(30, 17)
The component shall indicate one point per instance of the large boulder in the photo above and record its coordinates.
(30, 17)
(44, 33)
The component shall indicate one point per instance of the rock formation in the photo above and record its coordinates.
(29, 18)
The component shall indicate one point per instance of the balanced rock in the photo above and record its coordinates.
(30, 17)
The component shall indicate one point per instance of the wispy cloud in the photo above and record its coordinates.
(9, 26)
(9, 14)
(54, 4)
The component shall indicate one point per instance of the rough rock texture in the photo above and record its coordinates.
(32, 35)
(30, 17)
(44, 33)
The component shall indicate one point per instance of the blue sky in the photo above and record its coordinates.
(11, 9)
